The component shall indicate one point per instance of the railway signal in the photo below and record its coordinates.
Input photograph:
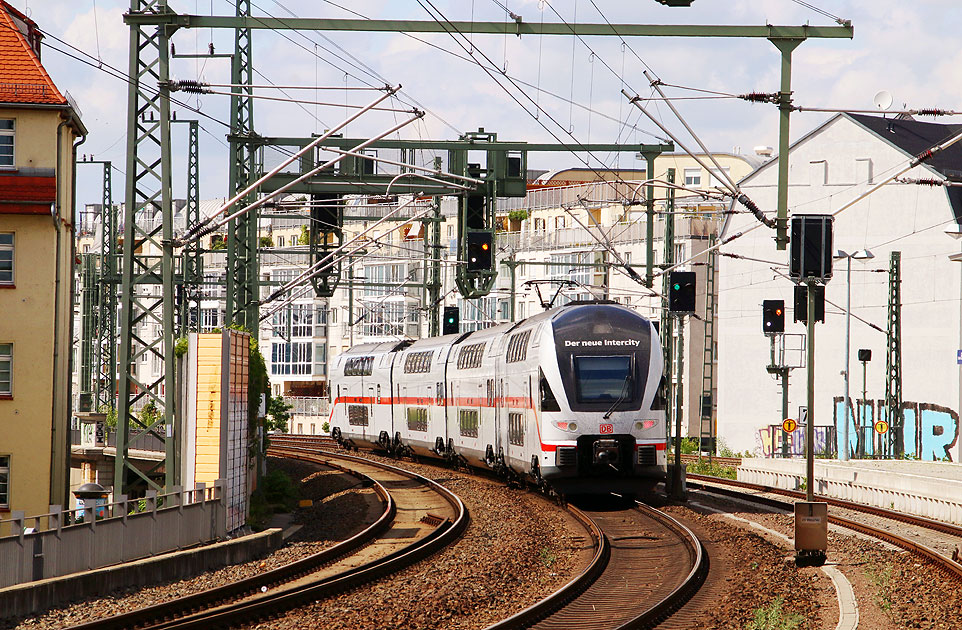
(451, 322)
(773, 316)
(801, 302)
(480, 246)
(681, 291)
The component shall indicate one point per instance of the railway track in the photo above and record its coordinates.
(743, 491)
(654, 565)
(420, 517)
(646, 565)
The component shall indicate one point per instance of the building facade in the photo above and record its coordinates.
(40, 128)
(831, 167)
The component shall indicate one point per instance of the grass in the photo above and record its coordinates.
(712, 470)
(882, 578)
(547, 556)
(772, 617)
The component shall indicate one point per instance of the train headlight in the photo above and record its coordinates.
(641, 425)
(572, 426)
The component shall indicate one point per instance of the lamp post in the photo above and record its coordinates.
(862, 254)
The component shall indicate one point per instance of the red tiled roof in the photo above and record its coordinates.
(22, 77)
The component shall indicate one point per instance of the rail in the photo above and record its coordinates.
(947, 565)
(181, 613)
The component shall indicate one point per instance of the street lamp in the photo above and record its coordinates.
(862, 254)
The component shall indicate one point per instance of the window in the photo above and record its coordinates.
(4, 481)
(6, 142)
(280, 241)
(559, 223)
(518, 347)
(548, 401)
(468, 422)
(6, 369)
(359, 366)
(470, 356)
(291, 358)
(603, 378)
(715, 180)
(417, 419)
(320, 359)
(418, 362)
(6, 257)
(539, 225)
(516, 429)
(693, 177)
(357, 415)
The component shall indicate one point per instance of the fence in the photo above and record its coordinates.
(67, 541)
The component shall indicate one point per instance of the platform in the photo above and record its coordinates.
(929, 489)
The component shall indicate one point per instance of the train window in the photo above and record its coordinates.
(516, 429)
(548, 401)
(468, 422)
(359, 366)
(518, 347)
(603, 378)
(470, 356)
(537, 338)
(417, 419)
(658, 402)
(490, 392)
(440, 399)
(357, 415)
(418, 362)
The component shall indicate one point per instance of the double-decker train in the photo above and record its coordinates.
(571, 397)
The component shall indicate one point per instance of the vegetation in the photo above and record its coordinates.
(266, 241)
(772, 617)
(218, 242)
(518, 215)
(180, 347)
(149, 413)
(110, 421)
(882, 578)
(712, 470)
(305, 237)
(277, 414)
(276, 494)
(547, 556)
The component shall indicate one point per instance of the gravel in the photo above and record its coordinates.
(341, 508)
(517, 549)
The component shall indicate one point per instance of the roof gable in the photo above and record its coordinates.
(914, 137)
(22, 77)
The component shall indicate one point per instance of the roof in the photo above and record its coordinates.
(22, 77)
(913, 137)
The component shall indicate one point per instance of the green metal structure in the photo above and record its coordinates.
(895, 415)
(188, 291)
(242, 237)
(147, 272)
(706, 427)
(148, 269)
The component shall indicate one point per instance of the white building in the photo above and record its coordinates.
(831, 166)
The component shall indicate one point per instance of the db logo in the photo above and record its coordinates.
(606, 428)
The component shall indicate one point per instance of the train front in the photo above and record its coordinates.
(602, 412)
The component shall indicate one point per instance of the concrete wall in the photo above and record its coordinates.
(25, 599)
(829, 168)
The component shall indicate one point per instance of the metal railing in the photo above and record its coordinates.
(61, 541)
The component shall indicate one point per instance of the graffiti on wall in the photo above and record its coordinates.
(930, 432)
(769, 441)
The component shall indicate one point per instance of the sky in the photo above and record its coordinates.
(561, 88)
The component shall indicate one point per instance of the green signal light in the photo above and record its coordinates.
(677, 287)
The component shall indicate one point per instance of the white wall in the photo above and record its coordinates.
(898, 217)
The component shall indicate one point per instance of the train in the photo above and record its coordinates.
(571, 398)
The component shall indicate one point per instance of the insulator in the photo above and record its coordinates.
(922, 157)
(933, 112)
(759, 97)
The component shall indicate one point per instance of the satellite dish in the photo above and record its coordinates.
(883, 100)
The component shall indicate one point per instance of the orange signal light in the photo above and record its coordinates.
(484, 246)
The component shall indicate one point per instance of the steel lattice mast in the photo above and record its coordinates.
(242, 232)
(147, 273)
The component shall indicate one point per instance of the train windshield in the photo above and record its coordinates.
(603, 378)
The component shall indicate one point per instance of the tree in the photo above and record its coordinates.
(277, 414)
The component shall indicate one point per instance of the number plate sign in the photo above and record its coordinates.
(606, 428)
